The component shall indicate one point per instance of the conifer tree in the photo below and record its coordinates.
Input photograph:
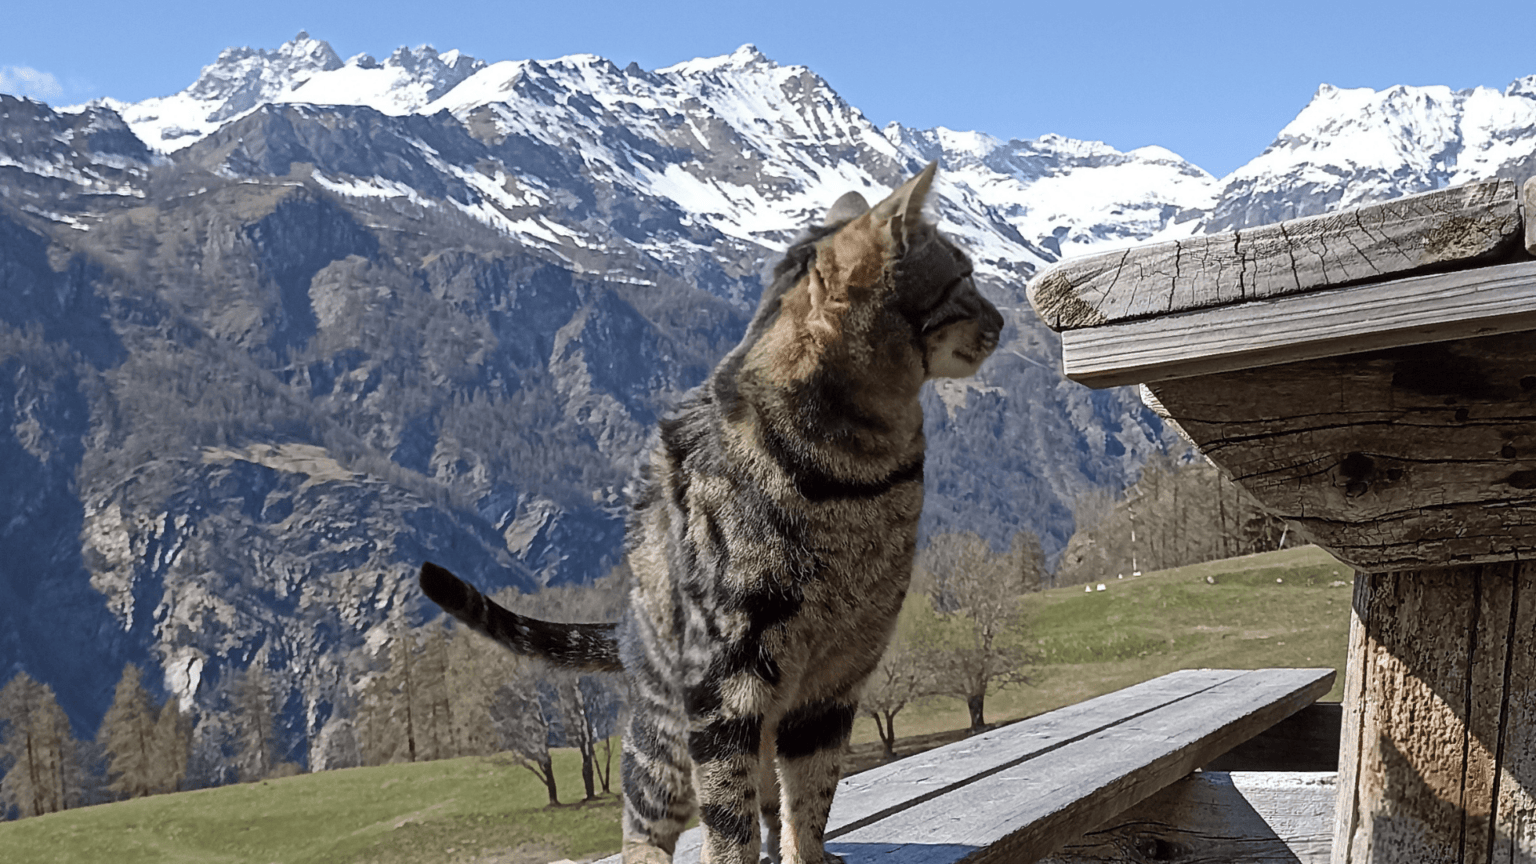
(433, 711)
(172, 747)
(402, 680)
(255, 715)
(127, 736)
(37, 749)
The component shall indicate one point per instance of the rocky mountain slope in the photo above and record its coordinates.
(268, 342)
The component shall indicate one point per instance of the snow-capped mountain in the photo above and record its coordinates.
(739, 143)
(302, 70)
(273, 339)
(1359, 146)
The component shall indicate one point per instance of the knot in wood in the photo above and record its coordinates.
(1150, 847)
(1358, 470)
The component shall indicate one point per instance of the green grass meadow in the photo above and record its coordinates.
(1287, 608)
(474, 809)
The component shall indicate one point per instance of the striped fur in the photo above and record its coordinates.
(772, 543)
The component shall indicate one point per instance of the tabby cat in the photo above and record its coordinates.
(772, 543)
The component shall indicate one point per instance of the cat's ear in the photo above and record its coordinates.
(899, 212)
(850, 206)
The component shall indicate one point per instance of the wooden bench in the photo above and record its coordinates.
(1020, 792)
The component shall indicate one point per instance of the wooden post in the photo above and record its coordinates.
(1437, 756)
(1382, 399)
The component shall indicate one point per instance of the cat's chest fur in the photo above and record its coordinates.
(746, 551)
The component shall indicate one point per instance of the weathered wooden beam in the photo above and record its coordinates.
(1306, 741)
(1392, 460)
(1528, 206)
(1409, 311)
(872, 795)
(1026, 811)
(1047, 779)
(1453, 227)
(1439, 754)
(1260, 817)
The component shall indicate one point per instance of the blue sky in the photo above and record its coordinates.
(1212, 81)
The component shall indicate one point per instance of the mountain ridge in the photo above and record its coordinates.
(255, 370)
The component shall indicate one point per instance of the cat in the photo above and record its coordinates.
(771, 545)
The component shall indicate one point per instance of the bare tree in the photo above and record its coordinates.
(1180, 511)
(579, 695)
(605, 711)
(387, 709)
(576, 722)
(432, 710)
(976, 643)
(522, 718)
(905, 674)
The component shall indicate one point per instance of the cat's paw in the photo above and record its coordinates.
(645, 853)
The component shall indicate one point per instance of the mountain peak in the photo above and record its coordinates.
(745, 57)
(1525, 87)
(243, 78)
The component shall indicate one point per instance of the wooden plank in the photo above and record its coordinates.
(1409, 311)
(870, 795)
(1453, 227)
(1514, 828)
(1260, 817)
(1442, 760)
(1352, 741)
(1305, 741)
(1147, 712)
(1528, 207)
(1025, 812)
(866, 797)
(1402, 459)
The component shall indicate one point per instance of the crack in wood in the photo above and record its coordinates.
(1445, 228)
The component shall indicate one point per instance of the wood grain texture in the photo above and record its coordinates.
(1442, 751)
(1392, 460)
(1409, 311)
(1067, 769)
(1263, 817)
(1305, 741)
(1528, 206)
(1027, 811)
(1351, 743)
(1451, 227)
(864, 798)
(1514, 828)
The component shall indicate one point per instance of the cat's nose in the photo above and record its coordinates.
(991, 321)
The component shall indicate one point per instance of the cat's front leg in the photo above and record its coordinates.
(810, 756)
(725, 752)
(768, 795)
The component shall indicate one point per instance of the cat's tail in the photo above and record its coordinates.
(588, 647)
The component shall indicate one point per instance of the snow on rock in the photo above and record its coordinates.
(741, 147)
(1350, 147)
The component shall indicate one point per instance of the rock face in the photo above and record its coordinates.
(268, 343)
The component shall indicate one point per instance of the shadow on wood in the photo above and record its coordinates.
(1236, 818)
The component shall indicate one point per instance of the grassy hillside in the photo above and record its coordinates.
(1288, 608)
(482, 810)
